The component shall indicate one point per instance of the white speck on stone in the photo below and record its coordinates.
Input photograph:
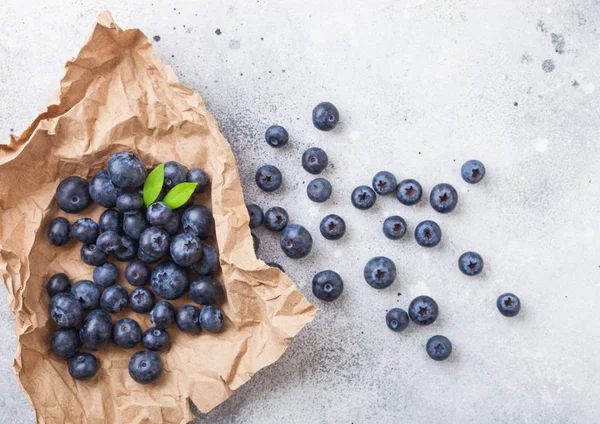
(313, 212)
(354, 135)
(317, 36)
(422, 288)
(337, 253)
(541, 144)
(549, 10)
(588, 88)
(463, 189)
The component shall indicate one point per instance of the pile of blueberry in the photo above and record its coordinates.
(154, 221)
(379, 272)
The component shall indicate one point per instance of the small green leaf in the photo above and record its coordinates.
(153, 184)
(179, 194)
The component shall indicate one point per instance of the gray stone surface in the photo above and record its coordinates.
(421, 86)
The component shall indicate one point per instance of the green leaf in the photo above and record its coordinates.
(153, 184)
(179, 194)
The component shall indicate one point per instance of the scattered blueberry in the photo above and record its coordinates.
(209, 263)
(134, 224)
(319, 190)
(108, 242)
(394, 227)
(439, 348)
(159, 214)
(130, 202)
(83, 366)
(508, 304)
(96, 330)
(276, 219)
(396, 319)
(137, 273)
(327, 285)
(211, 319)
(173, 224)
(162, 315)
(470, 263)
(169, 280)
(186, 249)
(206, 290)
(65, 310)
(384, 183)
(126, 170)
(91, 255)
(198, 220)
(276, 136)
(128, 249)
(126, 333)
(256, 215)
(111, 220)
(58, 283)
(333, 227)
(106, 275)
(188, 319)
(146, 258)
(443, 198)
(472, 171)
(87, 293)
(409, 192)
(154, 241)
(276, 265)
(325, 116)
(268, 178)
(72, 195)
(141, 300)
(198, 176)
(175, 173)
(156, 339)
(428, 234)
(380, 272)
(363, 197)
(295, 241)
(145, 366)
(58, 231)
(314, 160)
(103, 191)
(84, 230)
(423, 310)
(114, 299)
(65, 342)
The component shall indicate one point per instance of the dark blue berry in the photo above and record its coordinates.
(91, 255)
(198, 220)
(428, 234)
(363, 197)
(396, 319)
(162, 315)
(256, 215)
(206, 290)
(126, 170)
(173, 224)
(508, 304)
(188, 319)
(65, 310)
(268, 178)
(276, 136)
(84, 230)
(109, 242)
(114, 299)
(137, 273)
(141, 300)
(209, 262)
(384, 183)
(145, 366)
(333, 227)
(175, 173)
(276, 219)
(276, 265)
(409, 192)
(295, 241)
(211, 319)
(126, 333)
(380, 272)
(156, 339)
(186, 249)
(103, 191)
(439, 348)
(155, 241)
(319, 190)
(198, 176)
(134, 224)
(169, 280)
(470, 263)
(443, 198)
(58, 231)
(129, 202)
(394, 227)
(65, 342)
(96, 330)
(146, 258)
(327, 285)
(159, 214)
(314, 160)
(325, 116)
(472, 171)
(72, 195)
(423, 310)
(128, 249)
(83, 366)
(87, 293)
(58, 283)
(106, 275)
(111, 220)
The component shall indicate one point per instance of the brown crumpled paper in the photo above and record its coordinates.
(117, 95)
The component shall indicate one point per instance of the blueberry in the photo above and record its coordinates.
(276, 265)
(173, 224)
(162, 315)
(146, 258)
(72, 195)
(103, 191)
(134, 224)
(96, 330)
(396, 319)
(508, 304)
(137, 273)
(327, 285)
(106, 275)
(126, 170)
(319, 190)
(65, 310)
(209, 263)
(409, 192)
(423, 310)
(186, 249)
(394, 227)
(58, 283)
(127, 251)
(130, 202)
(145, 366)
(126, 333)
(169, 280)
(295, 241)
(141, 300)
(108, 242)
(111, 220)
(276, 219)
(256, 215)
(114, 299)
(175, 173)
(159, 214)
(58, 231)
(472, 171)
(211, 319)
(470, 263)
(384, 183)
(87, 293)
(91, 255)
(155, 241)
(363, 197)
(84, 230)
(65, 342)
(428, 234)
(255, 242)
(380, 272)
(156, 339)
(276, 136)
(439, 348)
(268, 178)
(314, 160)
(188, 319)
(443, 198)
(83, 366)
(198, 176)
(198, 220)
(325, 116)
(206, 291)
(333, 227)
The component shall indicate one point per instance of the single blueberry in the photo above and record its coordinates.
(83, 366)
(327, 285)
(128, 249)
(423, 310)
(470, 263)
(126, 170)
(109, 242)
(58, 283)
(209, 262)
(84, 230)
(173, 224)
(156, 339)
(255, 242)
(295, 241)
(111, 220)
(114, 299)
(333, 227)
(175, 173)
(276, 219)
(206, 290)
(256, 215)
(145, 366)
(384, 183)
(363, 197)
(276, 136)
(58, 231)
(268, 178)
(198, 176)
(87, 293)
(276, 265)
(472, 171)
(130, 202)
(379, 272)
(159, 214)
(72, 195)
(126, 333)
(508, 304)
(162, 315)
(155, 241)
(146, 258)
(211, 319)
(443, 198)
(186, 249)
(103, 191)
(96, 330)
(106, 275)
(141, 300)
(198, 220)
(314, 160)
(188, 319)
(439, 348)
(325, 116)
(394, 227)
(137, 273)
(409, 192)
(169, 280)
(65, 310)
(65, 342)
(134, 224)
(91, 255)
(319, 190)
(428, 234)
(396, 319)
